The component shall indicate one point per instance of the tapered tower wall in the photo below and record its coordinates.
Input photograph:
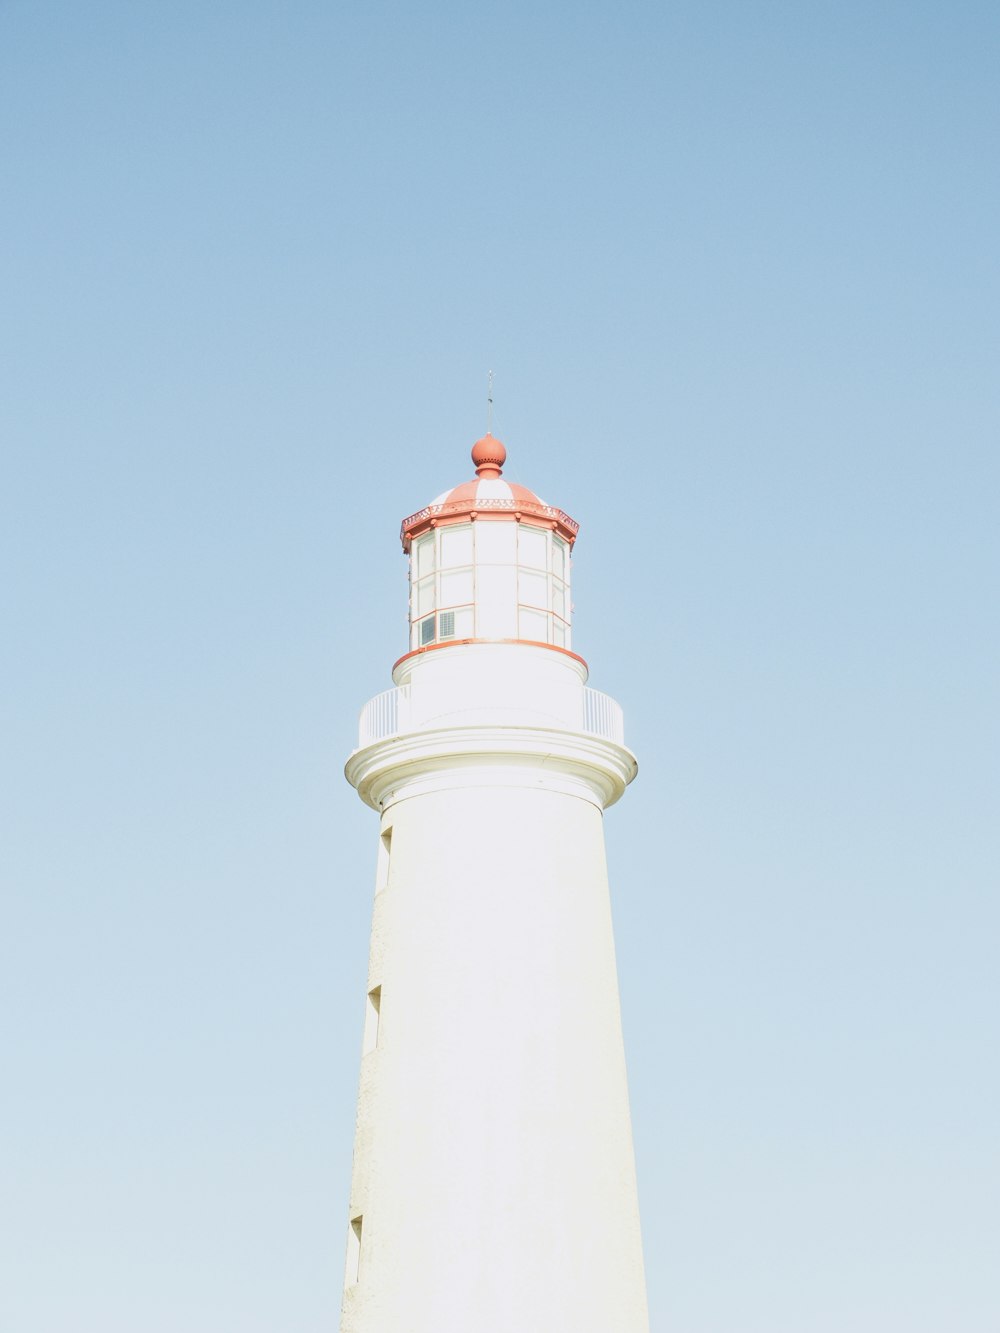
(494, 1172)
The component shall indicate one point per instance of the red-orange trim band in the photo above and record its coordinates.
(529, 643)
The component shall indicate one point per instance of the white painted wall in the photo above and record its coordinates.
(493, 1167)
(493, 683)
(493, 1162)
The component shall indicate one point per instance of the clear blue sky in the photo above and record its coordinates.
(736, 269)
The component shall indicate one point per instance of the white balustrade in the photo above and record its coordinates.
(383, 716)
(388, 715)
(603, 716)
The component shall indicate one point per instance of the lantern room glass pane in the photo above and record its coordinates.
(427, 631)
(532, 589)
(533, 625)
(560, 558)
(425, 597)
(559, 598)
(496, 601)
(456, 587)
(495, 543)
(532, 547)
(424, 551)
(560, 633)
(464, 627)
(456, 545)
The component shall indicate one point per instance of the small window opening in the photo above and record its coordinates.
(384, 854)
(447, 629)
(353, 1270)
(373, 1014)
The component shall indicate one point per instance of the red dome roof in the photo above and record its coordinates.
(487, 497)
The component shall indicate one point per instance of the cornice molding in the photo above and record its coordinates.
(413, 763)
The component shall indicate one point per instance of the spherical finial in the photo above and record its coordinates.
(489, 456)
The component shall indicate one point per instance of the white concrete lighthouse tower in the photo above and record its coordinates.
(493, 1188)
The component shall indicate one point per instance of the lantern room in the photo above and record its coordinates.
(489, 560)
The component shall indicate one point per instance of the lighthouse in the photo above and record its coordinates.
(493, 1185)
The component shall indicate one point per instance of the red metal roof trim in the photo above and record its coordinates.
(454, 511)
